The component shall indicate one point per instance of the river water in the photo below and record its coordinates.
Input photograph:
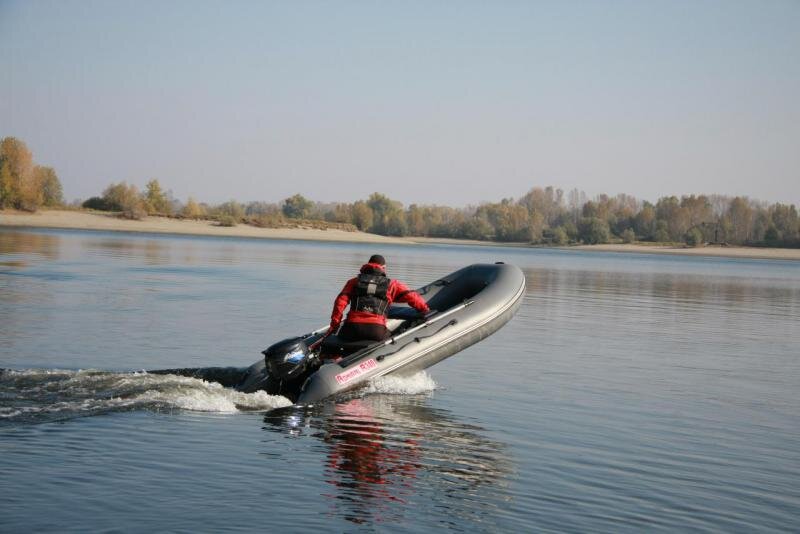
(630, 393)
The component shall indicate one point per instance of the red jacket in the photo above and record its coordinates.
(396, 292)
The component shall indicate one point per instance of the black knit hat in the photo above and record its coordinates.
(377, 258)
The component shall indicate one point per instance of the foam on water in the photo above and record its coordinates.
(402, 385)
(36, 395)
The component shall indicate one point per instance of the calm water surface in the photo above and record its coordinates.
(630, 393)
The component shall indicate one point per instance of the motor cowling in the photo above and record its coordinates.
(287, 359)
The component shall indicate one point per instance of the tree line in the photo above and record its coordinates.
(544, 215)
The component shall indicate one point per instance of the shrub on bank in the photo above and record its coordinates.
(226, 220)
(694, 237)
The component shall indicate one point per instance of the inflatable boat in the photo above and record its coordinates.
(466, 307)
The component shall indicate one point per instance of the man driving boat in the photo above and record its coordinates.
(370, 294)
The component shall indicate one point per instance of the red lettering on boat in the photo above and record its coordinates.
(348, 375)
(367, 365)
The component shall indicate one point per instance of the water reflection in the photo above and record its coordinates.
(24, 276)
(384, 453)
(24, 243)
(661, 287)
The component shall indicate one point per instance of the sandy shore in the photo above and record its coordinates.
(720, 251)
(82, 220)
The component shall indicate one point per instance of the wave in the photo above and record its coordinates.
(39, 395)
(402, 385)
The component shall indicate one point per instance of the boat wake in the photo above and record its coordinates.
(37, 395)
(46, 395)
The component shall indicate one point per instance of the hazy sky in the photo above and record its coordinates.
(430, 102)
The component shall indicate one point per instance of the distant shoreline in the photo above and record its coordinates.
(83, 220)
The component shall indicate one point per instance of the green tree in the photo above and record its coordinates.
(628, 236)
(475, 227)
(297, 207)
(560, 236)
(773, 236)
(644, 222)
(694, 237)
(96, 203)
(594, 230)
(661, 233)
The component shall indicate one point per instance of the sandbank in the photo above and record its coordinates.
(708, 250)
(84, 220)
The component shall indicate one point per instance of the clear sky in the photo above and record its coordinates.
(450, 103)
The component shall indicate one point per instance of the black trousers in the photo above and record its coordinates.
(359, 331)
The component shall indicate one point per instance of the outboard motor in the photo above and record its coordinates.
(287, 360)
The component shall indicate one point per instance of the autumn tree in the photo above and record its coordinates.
(50, 186)
(698, 209)
(676, 217)
(510, 220)
(23, 184)
(740, 217)
(386, 215)
(6, 184)
(18, 186)
(547, 202)
(341, 213)
(230, 209)
(126, 199)
(415, 221)
(575, 202)
(362, 216)
(156, 200)
(193, 210)
(785, 222)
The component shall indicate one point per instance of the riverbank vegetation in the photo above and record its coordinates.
(24, 185)
(543, 215)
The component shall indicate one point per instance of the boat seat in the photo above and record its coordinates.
(335, 346)
(405, 313)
